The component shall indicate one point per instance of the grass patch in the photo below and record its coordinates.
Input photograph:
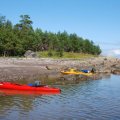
(45, 54)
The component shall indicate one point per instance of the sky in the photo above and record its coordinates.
(96, 20)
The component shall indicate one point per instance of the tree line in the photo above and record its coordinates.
(16, 39)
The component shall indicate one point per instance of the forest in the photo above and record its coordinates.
(16, 39)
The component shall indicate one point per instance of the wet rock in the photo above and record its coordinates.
(117, 72)
(68, 77)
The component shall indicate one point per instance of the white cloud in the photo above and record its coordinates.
(114, 53)
(117, 52)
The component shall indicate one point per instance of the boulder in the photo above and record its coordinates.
(30, 54)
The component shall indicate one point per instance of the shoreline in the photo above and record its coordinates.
(12, 69)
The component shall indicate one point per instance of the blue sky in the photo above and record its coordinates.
(97, 20)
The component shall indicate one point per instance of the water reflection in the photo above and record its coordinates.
(22, 104)
(6, 92)
(60, 79)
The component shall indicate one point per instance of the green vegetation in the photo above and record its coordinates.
(45, 54)
(15, 40)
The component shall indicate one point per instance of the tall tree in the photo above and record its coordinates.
(26, 32)
(2, 21)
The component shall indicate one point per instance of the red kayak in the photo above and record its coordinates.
(41, 88)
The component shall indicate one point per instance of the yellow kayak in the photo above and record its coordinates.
(73, 72)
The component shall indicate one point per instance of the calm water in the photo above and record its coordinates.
(83, 100)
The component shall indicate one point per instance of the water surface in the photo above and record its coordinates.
(83, 100)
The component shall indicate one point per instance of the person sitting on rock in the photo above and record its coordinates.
(93, 70)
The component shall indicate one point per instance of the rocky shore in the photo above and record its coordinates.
(34, 68)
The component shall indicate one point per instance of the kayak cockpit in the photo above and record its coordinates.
(36, 84)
